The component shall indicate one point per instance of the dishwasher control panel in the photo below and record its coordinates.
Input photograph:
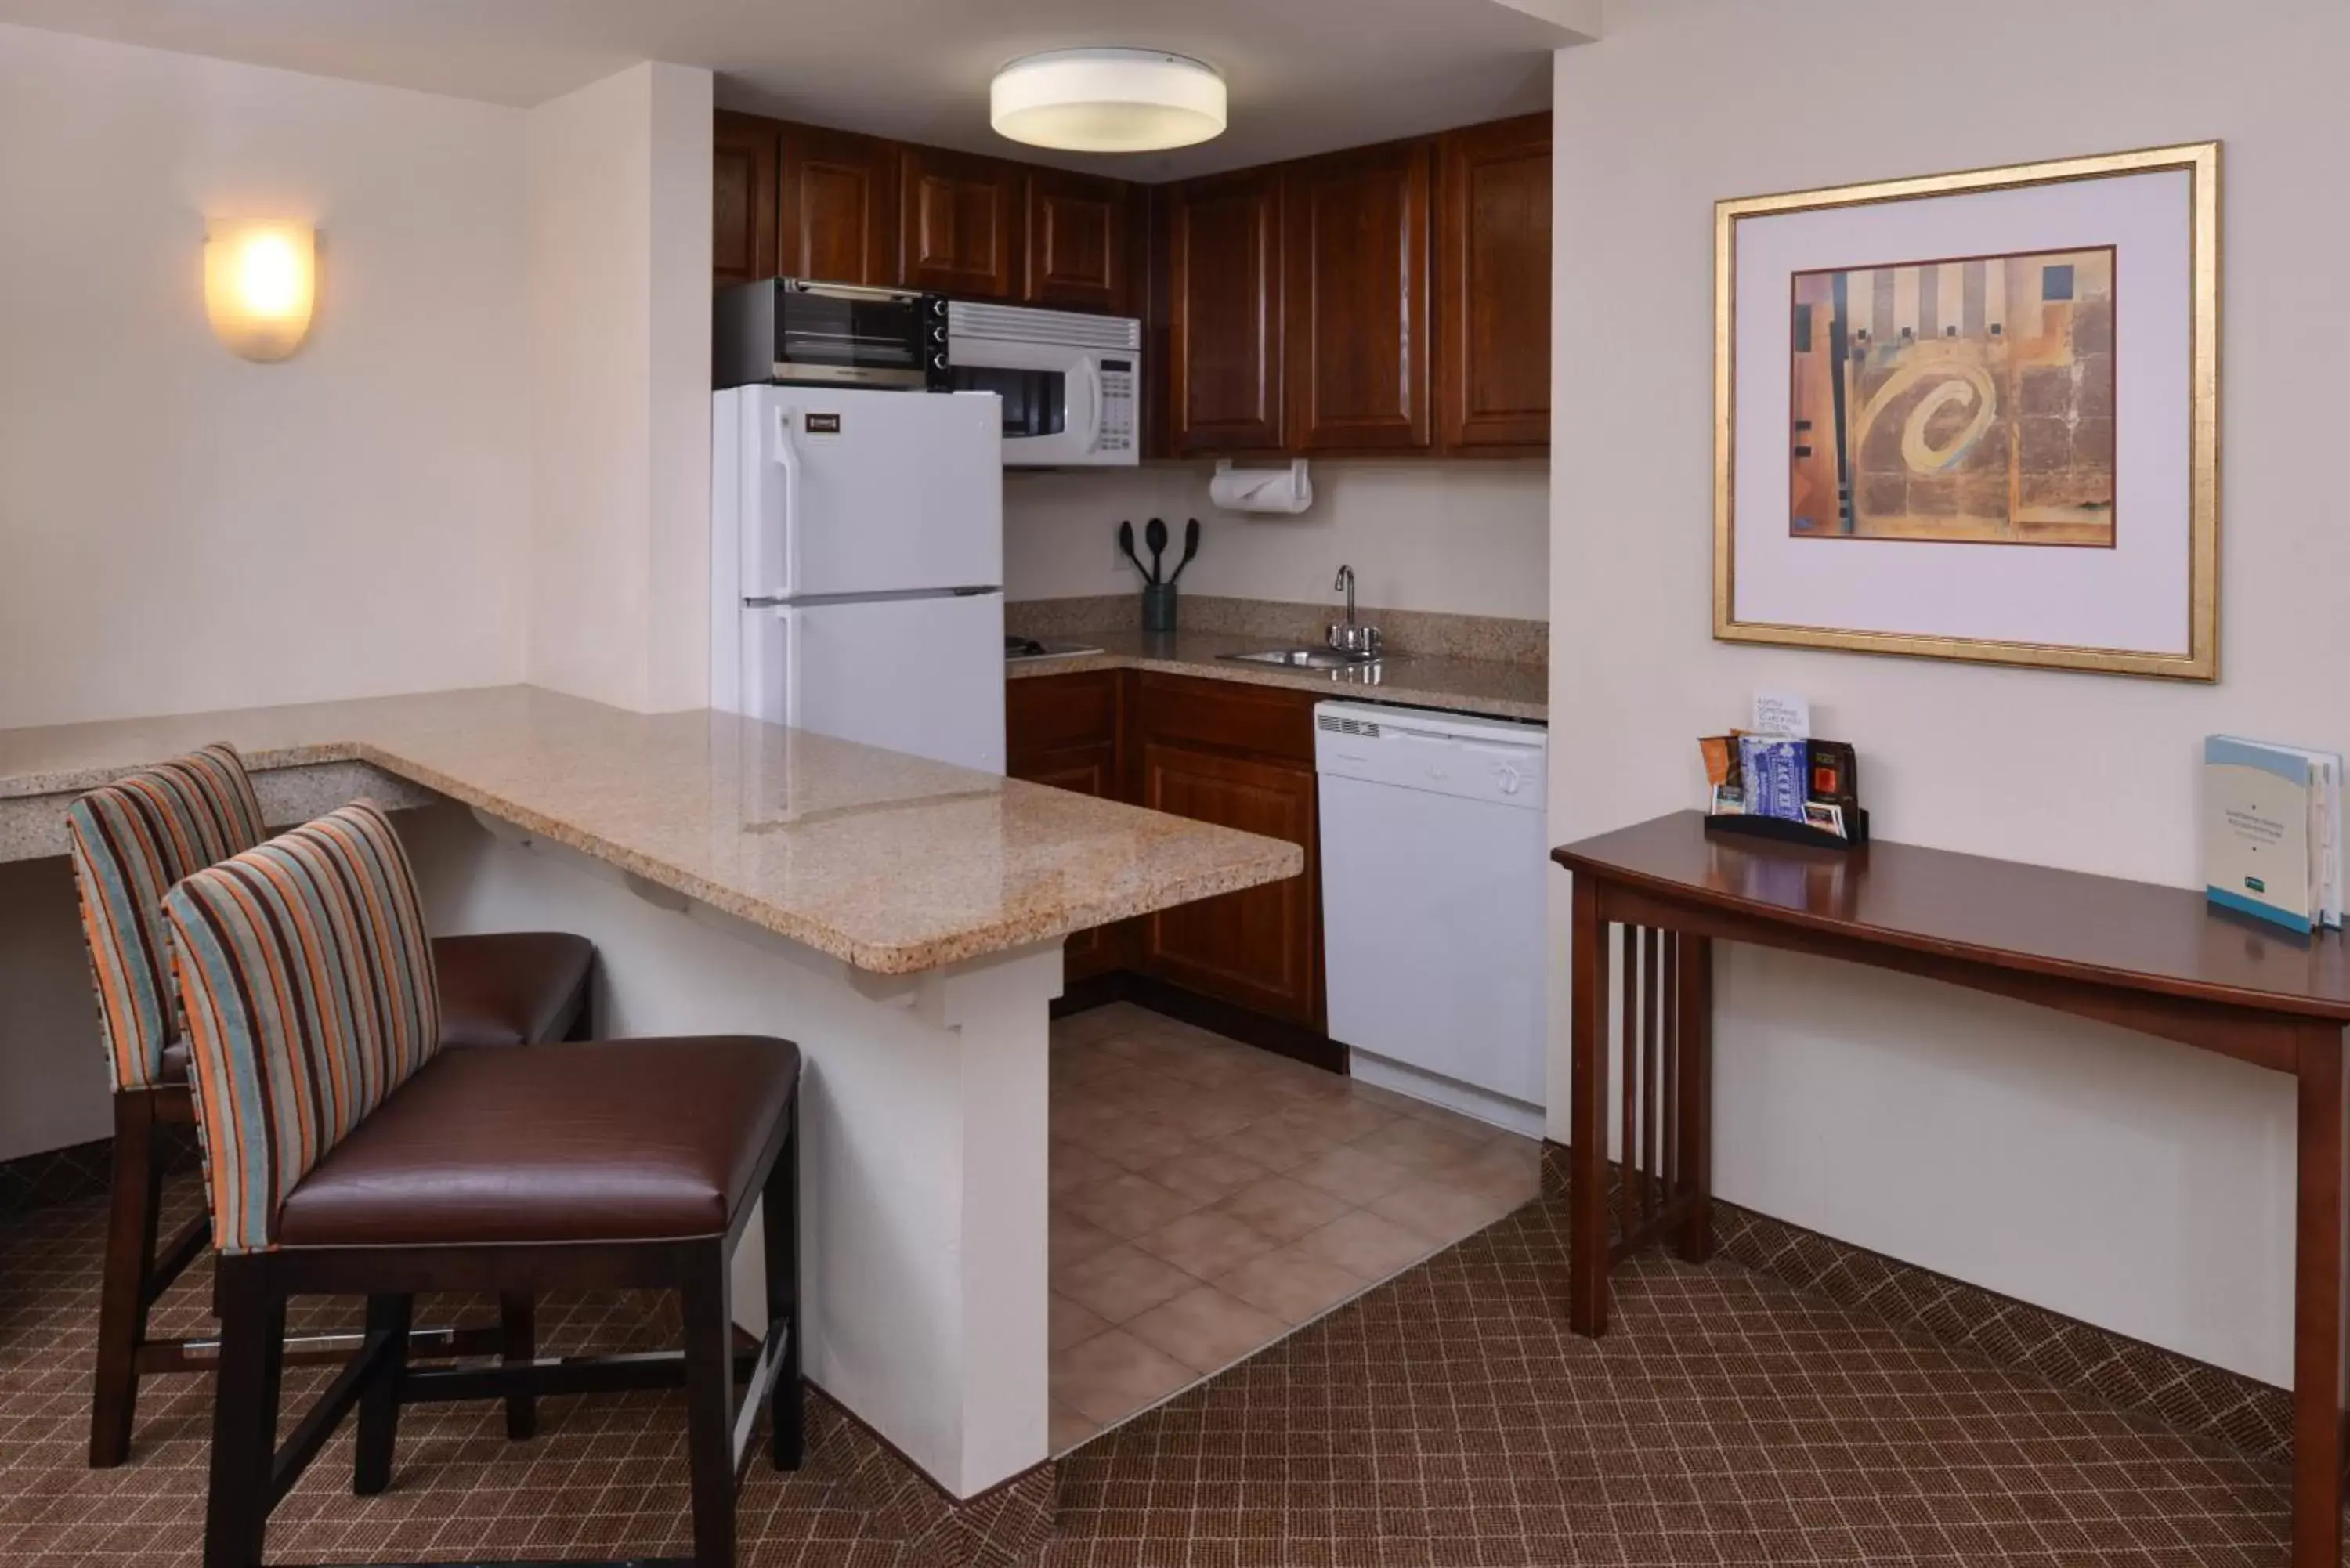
(1447, 753)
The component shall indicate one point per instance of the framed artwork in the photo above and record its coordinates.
(1975, 416)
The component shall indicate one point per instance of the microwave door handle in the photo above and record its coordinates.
(1093, 403)
(787, 458)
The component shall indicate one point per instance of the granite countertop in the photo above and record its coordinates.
(1466, 685)
(887, 862)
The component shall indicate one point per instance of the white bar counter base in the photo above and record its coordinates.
(899, 919)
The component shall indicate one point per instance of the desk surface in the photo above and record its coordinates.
(2138, 935)
(889, 862)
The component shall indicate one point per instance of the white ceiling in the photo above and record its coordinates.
(1307, 76)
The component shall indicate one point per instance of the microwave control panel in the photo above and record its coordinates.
(1118, 379)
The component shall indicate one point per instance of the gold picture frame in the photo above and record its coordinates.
(2199, 662)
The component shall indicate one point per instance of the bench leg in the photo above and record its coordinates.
(379, 1426)
(517, 1346)
(245, 1411)
(780, 1217)
(709, 1400)
(135, 1199)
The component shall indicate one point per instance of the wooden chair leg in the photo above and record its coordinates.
(245, 1411)
(379, 1422)
(780, 1222)
(583, 1020)
(710, 1401)
(136, 1199)
(517, 1346)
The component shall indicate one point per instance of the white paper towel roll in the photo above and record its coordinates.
(1262, 490)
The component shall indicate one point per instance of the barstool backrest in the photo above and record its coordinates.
(306, 981)
(131, 840)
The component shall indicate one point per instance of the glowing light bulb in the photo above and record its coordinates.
(260, 286)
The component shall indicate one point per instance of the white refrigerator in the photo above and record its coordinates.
(857, 566)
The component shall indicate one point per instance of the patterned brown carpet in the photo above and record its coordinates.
(1447, 1418)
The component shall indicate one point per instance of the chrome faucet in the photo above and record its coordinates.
(1351, 636)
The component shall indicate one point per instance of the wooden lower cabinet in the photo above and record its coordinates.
(1093, 771)
(1260, 947)
(1066, 730)
(1234, 755)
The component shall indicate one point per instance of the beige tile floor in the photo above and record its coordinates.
(1207, 1198)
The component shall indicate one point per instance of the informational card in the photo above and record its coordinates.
(1782, 714)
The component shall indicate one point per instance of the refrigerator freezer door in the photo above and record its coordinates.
(859, 491)
(920, 675)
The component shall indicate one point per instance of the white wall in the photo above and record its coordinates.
(2132, 1183)
(366, 498)
(620, 354)
(1471, 538)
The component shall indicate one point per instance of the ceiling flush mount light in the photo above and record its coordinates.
(261, 279)
(1107, 100)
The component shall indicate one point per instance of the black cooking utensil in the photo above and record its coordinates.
(1126, 543)
(1154, 534)
(1191, 548)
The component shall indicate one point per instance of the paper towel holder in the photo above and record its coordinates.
(1262, 490)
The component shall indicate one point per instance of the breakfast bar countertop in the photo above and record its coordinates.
(890, 863)
(1491, 687)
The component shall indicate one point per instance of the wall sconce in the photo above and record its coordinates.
(261, 280)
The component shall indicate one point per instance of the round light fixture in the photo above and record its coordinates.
(1107, 100)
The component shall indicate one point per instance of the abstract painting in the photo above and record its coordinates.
(1975, 415)
(1968, 402)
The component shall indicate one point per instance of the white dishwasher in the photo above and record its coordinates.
(1432, 907)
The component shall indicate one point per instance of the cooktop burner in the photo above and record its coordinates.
(1018, 647)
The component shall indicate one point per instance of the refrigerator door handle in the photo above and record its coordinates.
(786, 700)
(787, 458)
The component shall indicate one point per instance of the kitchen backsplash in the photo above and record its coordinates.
(1509, 639)
(1461, 538)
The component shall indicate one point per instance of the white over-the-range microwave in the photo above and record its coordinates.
(1070, 383)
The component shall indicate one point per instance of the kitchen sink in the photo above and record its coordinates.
(1306, 657)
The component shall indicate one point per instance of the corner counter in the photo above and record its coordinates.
(899, 919)
(887, 862)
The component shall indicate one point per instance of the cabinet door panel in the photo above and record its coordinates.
(1060, 713)
(1224, 310)
(1273, 723)
(1092, 771)
(1077, 231)
(839, 206)
(743, 197)
(1494, 273)
(960, 217)
(1065, 730)
(1356, 232)
(1259, 947)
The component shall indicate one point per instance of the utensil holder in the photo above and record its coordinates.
(1159, 606)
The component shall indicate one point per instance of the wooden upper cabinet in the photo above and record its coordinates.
(959, 221)
(1224, 323)
(1077, 236)
(743, 197)
(1356, 230)
(1494, 250)
(839, 206)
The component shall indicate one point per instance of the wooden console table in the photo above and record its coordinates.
(2148, 958)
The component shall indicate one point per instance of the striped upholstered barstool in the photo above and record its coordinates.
(131, 841)
(345, 1155)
